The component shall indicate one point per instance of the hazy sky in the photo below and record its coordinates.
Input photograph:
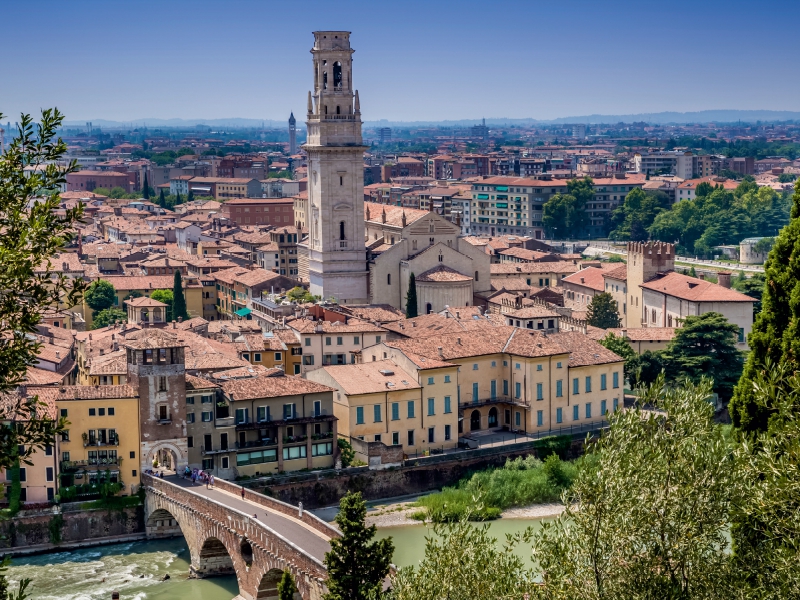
(414, 60)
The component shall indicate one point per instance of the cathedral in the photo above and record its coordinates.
(361, 253)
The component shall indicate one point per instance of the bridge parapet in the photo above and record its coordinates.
(224, 540)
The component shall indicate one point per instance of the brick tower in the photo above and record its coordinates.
(156, 367)
(645, 261)
(337, 264)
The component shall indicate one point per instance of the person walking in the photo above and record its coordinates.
(211, 480)
(242, 492)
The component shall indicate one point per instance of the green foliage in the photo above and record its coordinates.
(54, 527)
(167, 297)
(485, 494)
(602, 312)
(653, 532)
(100, 295)
(718, 217)
(619, 346)
(632, 218)
(178, 299)
(412, 310)
(786, 177)
(301, 295)
(279, 175)
(764, 245)
(753, 287)
(146, 189)
(776, 331)
(22, 590)
(32, 232)
(463, 561)
(15, 490)
(564, 215)
(346, 452)
(286, 587)
(356, 564)
(106, 317)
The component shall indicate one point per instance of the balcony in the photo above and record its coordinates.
(262, 443)
(165, 420)
(494, 400)
(74, 465)
(90, 443)
(295, 420)
(211, 451)
(224, 422)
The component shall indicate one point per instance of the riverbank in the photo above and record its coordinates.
(398, 514)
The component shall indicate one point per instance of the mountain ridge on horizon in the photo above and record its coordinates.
(656, 118)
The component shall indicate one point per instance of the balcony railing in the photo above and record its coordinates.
(224, 421)
(209, 451)
(88, 443)
(262, 443)
(493, 400)
(73, 465)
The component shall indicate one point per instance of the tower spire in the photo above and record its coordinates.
(357, 106)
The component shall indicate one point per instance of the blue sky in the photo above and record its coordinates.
(430, 60)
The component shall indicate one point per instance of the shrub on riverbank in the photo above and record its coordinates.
(485, 494)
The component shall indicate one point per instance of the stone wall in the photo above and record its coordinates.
(415, 477)
(35, 528)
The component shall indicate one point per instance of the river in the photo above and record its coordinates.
(137, 569)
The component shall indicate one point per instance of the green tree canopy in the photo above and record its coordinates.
(100, 295)
(620, 346)
(753, 287)
(632, 218)
(178, 300)
(107, 316)
(356, 564)
(300, 294)
(602, 311)
(286, 587)
(167, 297)
(412, 310)
(776, 331)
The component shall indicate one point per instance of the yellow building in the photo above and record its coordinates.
(381, 402)
(263, 349)
(102, 439)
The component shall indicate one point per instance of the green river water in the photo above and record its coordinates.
(137, 569)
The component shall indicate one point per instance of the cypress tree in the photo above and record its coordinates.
(178, 199)
(286, 587)
(190, 197)
(356, 565)
(178, 299)
(775, 338)
(603, 312)
(162, 201)
(146, 188)
(411, 298)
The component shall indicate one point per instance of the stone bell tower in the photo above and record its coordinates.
(337, 265)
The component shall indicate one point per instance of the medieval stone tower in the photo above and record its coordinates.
(335, 211)
(292, 134)
(156, 368)
(645, 260)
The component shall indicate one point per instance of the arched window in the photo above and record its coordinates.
(325, 80)
(326, 109)
(476, 276)
(337, 75)
(441, 257)
(653, 314)
(388, 279)
(338, 110)
(413, 244)
(341, 230)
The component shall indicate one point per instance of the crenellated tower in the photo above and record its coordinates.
(645, 261)
(337, 264)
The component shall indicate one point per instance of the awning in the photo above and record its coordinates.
(243, 312)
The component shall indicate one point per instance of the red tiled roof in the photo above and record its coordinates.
(693, 289)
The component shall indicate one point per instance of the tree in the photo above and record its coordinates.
(190, 197)
(162, 202)
(145, 188)
(356, 565)
(634, 216)
(100, 295)
(22, 593)
(602, 312)
(654, 532)
(776, 331)
(346, 453)
(32, 232)
(619, 346)
(167, 297)
(178, 199)
(753, 287)
(583, 191)
(705, 346)
(286, 587)
(464, 561)
(178, 299)
(412, 310)
(300, 294)
(107, 316)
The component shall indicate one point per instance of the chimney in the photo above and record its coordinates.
(58, 354)
(458, 340)
(441, 351)
(701, 276)
(102, 352)
(724, 279)
(173, 324)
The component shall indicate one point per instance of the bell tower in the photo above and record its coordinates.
(337, 262)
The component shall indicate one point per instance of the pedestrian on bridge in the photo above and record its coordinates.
(242, 492)
(211, 480)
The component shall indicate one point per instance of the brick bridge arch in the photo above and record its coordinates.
(223, 541)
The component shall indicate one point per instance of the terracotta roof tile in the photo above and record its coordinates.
(271, 387)
(371, 377)
(693, 289)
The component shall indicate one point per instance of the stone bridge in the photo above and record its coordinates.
(254, 538)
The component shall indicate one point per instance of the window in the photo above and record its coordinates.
(133, 454)
(162, 384)
(388, 279)
(395, 438)
(447, 408)
(92, 412)
(575, 386)
(616, 404)
(206, 399)
(377, 339)
(356, 340)
(225, 462)
(23, 474)
(603, 381)
(517, 418)
(327, 341)
(65, 456)
(517, 366)
(64, 412)
(359, 415)
(615, 380)
(410, 409)
(308, 341)
(446, 433)
(48, 451)
(588, 410)
(257, 357)
(376, 413)
(430, 380)
(559, 389)
(517, 390)
(558, 365)
(538, 367)
(588, 384)
(411, 437)
(475, 366)
(395, 411)
(505, 387)
(241, 415)
(603, 408)
(308, 359)
(189, 399)
(539, 391)
(378, 437)
(575, 412)
(341, 230)
(190, 442)
(559, 415)
(431, 435)
(539, 418)
(431, 406)
(447, 378)
(317, 408)
(741, 335)
(190, 417)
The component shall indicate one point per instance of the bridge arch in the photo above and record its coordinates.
(268, 586)
(214, 559)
